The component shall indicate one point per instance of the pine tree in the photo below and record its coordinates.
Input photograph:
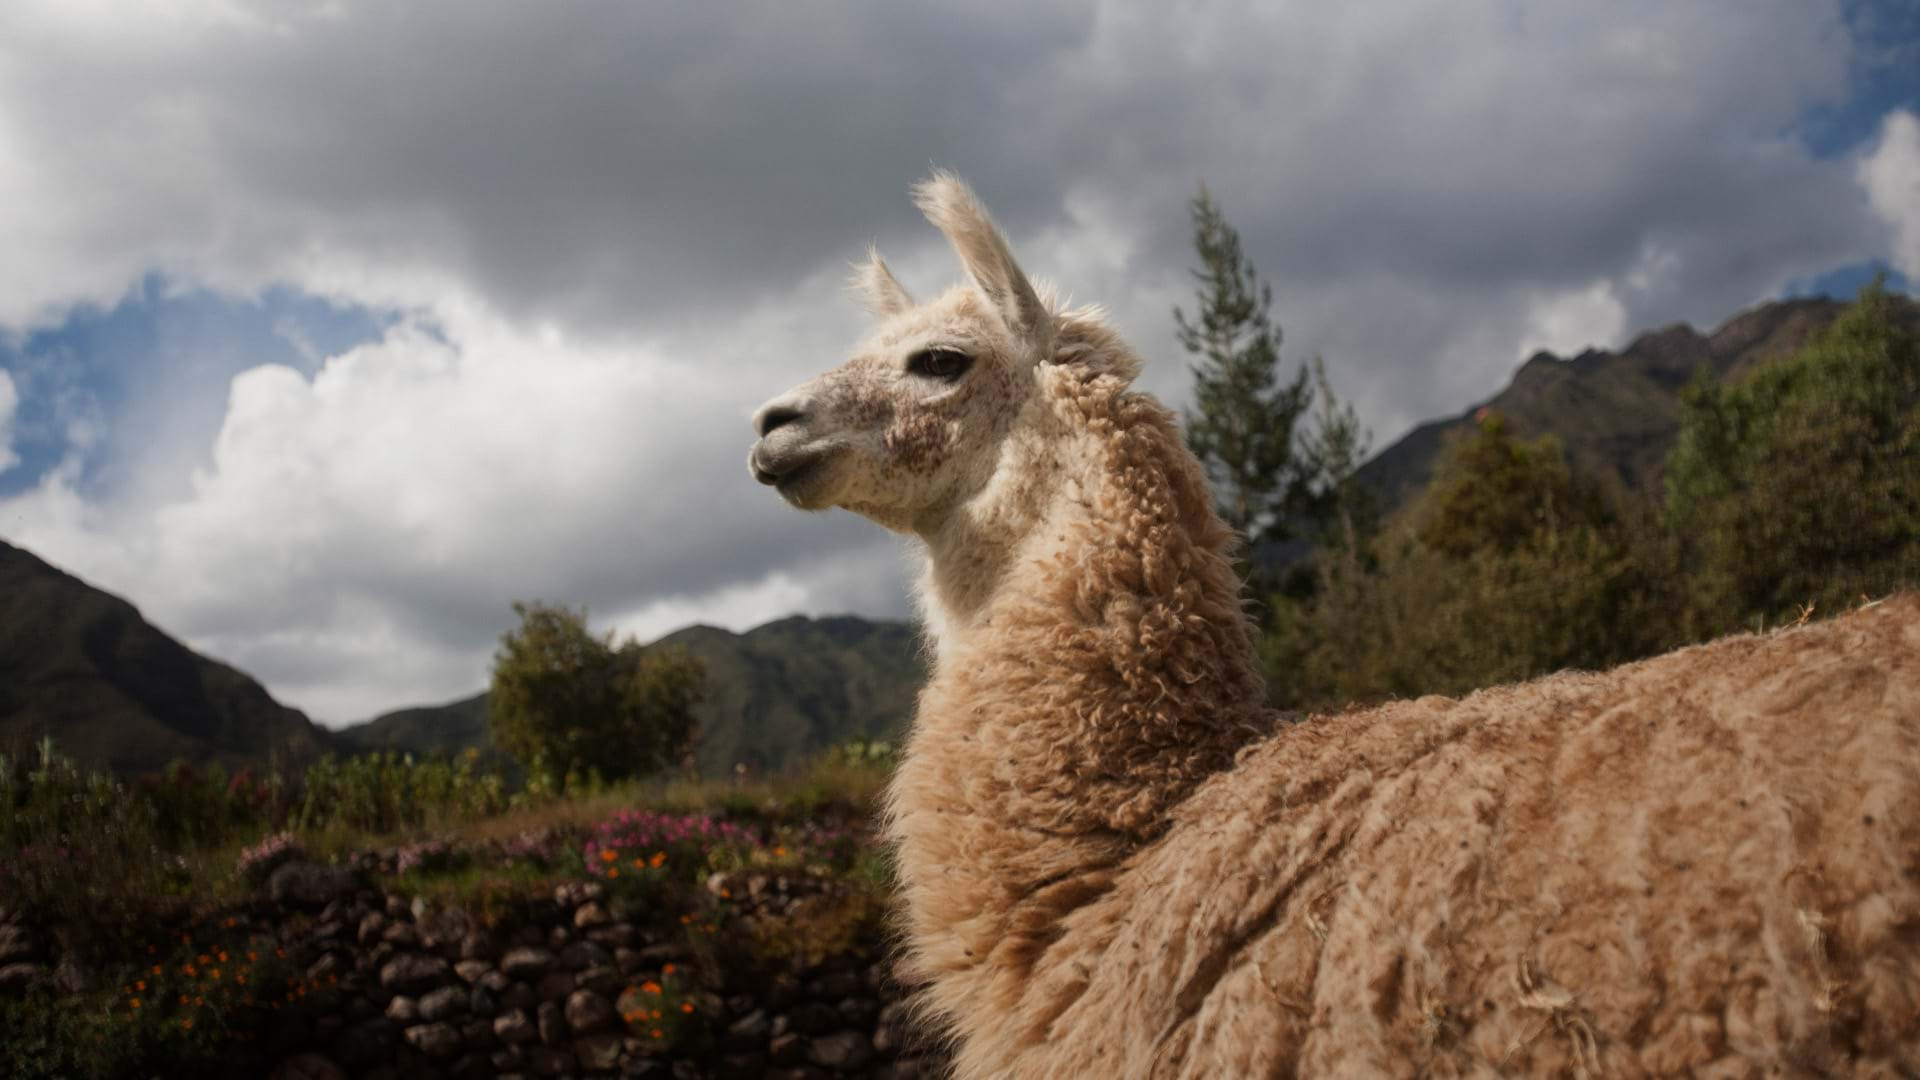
(1243, 421)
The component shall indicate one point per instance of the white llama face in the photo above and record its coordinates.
(911, 426)
(908, 427)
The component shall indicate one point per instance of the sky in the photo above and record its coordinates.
(330, 329)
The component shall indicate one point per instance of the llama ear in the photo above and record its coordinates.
(876, 287)
(953, 209)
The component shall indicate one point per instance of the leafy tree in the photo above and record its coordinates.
(1243, 423)
(566, 700)
(1801, 484)
(1511, 565)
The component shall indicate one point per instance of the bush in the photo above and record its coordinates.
(564, 698)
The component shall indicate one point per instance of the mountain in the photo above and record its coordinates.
(775, 694)
(1618, 413)
(82, 666)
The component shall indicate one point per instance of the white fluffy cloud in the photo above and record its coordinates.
(616, 229)
(1891, 175)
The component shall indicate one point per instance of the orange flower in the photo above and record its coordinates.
(656, 1014)
(139, 984)
(685, 919)
(215, 973)
(187, 1024)
(780, 851)
(190, 971)
(656, 1033)
(666, 969)
(726, 894)
(639, 863)
(156, 969)
(609, 855)
(241, 978)
(253, 957)
(135, 1003)
(202, 958)
(659, 859)
(183, 999)
(199, 1001)
(686, 1006)
(650, 987)
(223, 957)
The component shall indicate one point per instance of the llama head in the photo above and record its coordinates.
(913, 423)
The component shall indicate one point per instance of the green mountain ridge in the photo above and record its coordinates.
(82, 666)
(775, 694)
(1617, 414)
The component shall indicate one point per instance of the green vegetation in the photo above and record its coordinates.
(1791, 489)
(1242, 425)
(1800, 485)
(152, 889)
(563, 697)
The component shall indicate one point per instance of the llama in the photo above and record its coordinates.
(1115, 861)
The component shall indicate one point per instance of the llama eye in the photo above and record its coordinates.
(944, 364)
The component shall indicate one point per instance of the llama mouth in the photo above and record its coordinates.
(788, 474)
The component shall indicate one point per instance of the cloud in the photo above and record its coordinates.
(9, 402)
(1891, 175)
(609, 231)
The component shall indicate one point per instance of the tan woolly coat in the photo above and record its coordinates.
(1117, 865)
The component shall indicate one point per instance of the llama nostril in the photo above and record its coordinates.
(775, 416)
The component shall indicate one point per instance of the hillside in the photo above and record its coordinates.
(1617, 414)
(82, 666)
(774, 694)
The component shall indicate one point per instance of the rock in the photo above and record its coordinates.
(472, 971)
(396, 906)
(558, 937)
(575, 893)
(519, 996)
(741, 1067)
(412, 973)
(858, 1013)
(582, 955)
(782, 993)
(481, 1002)
(477, 1035)
(600, 980)
(908, 1069)
(400, 935)
(554, 986)
(588, 1012)
(403, 1010)
(444, 929)
(507, 1059)
(443, 1004)
(788, 1049)
(70, 977)
(308, 1067)
(586, 917)
(526, 963)
(849, 1051)
(814, 1018)
(471, 1067)
(17, 978)
(627, 960)
(435, 1040)
(613, 936)
(598, 1053)
(553, 1023)
(548, 1061)
(330, 963)
(494, 982)
(366, 1044)
(749, 1033)
(310, 885)
(835, 986)
(515, 1027)
(479, 945)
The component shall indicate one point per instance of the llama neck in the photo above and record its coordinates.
(1094, 661)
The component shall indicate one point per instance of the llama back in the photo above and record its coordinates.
(1707, 861)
